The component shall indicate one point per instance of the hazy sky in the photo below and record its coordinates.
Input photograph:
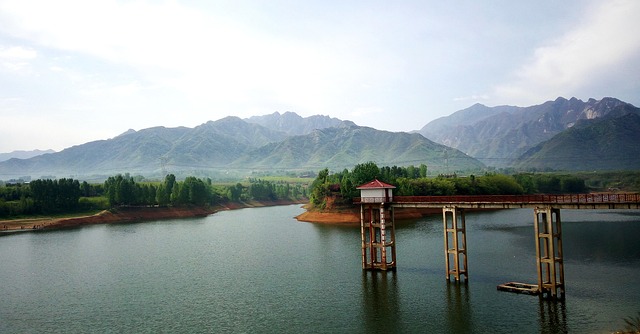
(73, 71)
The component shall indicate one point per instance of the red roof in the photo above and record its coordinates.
(376, 184)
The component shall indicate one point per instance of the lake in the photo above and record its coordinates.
(259, 270)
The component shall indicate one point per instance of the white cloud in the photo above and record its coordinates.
(18, 53)
(110, 90)
(606, 37)
(10, 104)
(360, 112)
(474, 97)
(209, 58)
(148, 62)
(16, 58)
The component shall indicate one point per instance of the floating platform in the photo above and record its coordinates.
(524, 288)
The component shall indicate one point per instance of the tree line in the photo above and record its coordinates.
(413, 181)
(69, 195)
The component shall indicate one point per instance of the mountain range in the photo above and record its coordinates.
(286, 142)
(561, 134)
(611, 143)
(20, 154)
(499, 136)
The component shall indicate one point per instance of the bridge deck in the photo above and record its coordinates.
(563, 201)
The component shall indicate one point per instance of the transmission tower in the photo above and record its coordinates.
(163, 166)
(446, 161)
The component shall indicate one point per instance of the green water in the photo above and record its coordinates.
(261, 271)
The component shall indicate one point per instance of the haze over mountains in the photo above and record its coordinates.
(21, 154)
(561, 134)
(232, 144)
(610, 143)
(498, 136)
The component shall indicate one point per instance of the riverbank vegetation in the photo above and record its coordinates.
(44, 197)
(413, 181)
(68, 196)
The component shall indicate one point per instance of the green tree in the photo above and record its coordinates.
(423, 170)
(262, 190)
(234, 192)
(68, 193)
(412, 172)
(169, 181)
(495, 184)
(54, 195)
(163, 197)
(425, 187)
(465, 185)
(44, 195)
(85, 189)
(196, 191)
(151, 194)
(120, 190)
(363, 173)
(572, 184)
(319, 189)
(125, 190)
(179, 194)
(526, 182)
(347, 189)
(548, 184)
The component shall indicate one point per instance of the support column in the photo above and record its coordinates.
(548, 231)
(363, 227)
(455, 243)
(377, 230)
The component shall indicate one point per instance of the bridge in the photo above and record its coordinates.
(563, 201)
(377, 227)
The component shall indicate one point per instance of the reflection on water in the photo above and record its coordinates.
(259, 270)
(458, 309)
(553, 316)
(381, 304)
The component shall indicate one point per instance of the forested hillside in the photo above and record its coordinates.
(556, 135)
(294, 124)
(609, 144)
(499, 135)
(233, 148)
(23, 154)
(339, 148)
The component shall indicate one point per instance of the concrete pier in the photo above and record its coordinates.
(378, 235)
(378, 231)
(549, 259)
(455, 243)
(377, 226)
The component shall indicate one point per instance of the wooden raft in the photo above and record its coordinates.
(524, 288)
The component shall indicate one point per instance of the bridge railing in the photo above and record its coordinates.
(540, 198)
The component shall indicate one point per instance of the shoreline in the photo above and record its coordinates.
(129, 215)
(351, 216)
(344, 215)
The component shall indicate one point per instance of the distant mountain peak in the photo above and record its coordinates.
(498, 135)
(20, 154)
(494, 135)
(609, 143)
(130, 131)
(235, 144)
(477, 105)
(294, 124)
